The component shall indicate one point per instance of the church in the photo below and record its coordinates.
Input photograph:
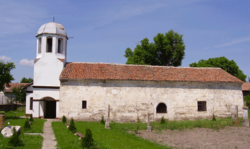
(84, 91)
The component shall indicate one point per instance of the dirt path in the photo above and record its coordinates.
(48, 136)
(228, 137)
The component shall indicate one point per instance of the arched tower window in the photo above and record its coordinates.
(60, 45)
(39, 45)
(161, 108)
(49, 44)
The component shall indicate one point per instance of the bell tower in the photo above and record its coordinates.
(50, 54)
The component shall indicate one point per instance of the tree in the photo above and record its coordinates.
(19, 93)
(87, 141)
(5, 76)
(166, 50)
(225, 64)
(25, 80)
(15, 140)
(72, 126)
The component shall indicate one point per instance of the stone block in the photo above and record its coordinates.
(8, 131)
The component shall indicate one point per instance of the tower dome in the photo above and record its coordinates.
(52, 28)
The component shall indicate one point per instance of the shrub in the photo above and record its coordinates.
(2, 112)
(163, 121)
(15, 140)
(64, 119)
(87, 141)
(214, 119)
(26, 125)
(31, 118)
(102, 120)
(247, 99)
(72, 126)
(137, 126)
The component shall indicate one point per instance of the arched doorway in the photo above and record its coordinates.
(50, 107)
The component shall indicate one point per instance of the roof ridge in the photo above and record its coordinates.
(144, 65)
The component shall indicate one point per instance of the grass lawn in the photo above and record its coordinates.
(30, 141)
(104, 139)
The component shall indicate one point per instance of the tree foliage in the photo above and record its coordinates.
(64, 120)
(25, 80)
(72, 126)
(19, 93)
(166, 50)
(5, 76)
(15, 140)
(225, 64)
(31, 118)
(87, 141)
(26, 124)
(247, 99)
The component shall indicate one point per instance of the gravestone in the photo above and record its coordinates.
(149, 127)
(8, 131)
(245, 121)
(107, 121)
(235, 118)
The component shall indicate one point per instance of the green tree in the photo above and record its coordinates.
(5, 76)
(15, 140)
(247, 99)
(25, 80)
(87, 141)
(225, 64)
(19, 93)
(72, 126)
(166, 50)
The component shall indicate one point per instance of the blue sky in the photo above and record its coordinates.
(103, 29)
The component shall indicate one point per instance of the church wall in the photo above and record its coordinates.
(28, 96)
(129, 99)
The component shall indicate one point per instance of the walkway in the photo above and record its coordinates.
(48, 136)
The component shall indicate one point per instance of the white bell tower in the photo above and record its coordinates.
(50, 54)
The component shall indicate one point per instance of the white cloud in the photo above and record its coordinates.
(17, 17)
(26, 62)
(4, 58)
(233, 42)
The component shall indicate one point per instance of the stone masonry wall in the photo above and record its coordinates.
(131, 99)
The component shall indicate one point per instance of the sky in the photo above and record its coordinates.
(103, 29)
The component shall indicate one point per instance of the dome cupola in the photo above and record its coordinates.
(52, 28)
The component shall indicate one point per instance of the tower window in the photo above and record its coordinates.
(60, 42)
(39, 45)
(161, 108)
(49, 44)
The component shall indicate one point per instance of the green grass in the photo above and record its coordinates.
(36, 127)
(30, 142)
(104, 139)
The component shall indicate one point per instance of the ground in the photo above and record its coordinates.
(228, 137)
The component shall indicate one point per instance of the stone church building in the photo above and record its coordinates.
(84, 90)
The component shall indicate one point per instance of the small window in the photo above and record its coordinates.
(49, 44)
(39, 45)
(31, 103)
(84, 104)
(60, 42)
(161, 108)
(202, 106)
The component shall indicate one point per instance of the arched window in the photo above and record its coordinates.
(49, 44)
(161, 108)
(39, 45)
(60, 45)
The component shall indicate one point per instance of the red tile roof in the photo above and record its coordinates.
(12, 85)
(62, 60)
(246, 87)
(144, 72)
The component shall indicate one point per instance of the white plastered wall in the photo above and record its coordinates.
(131, 99)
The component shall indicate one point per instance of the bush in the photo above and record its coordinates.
(2, 112)
(72, 126)
(247, 99)
(137, 126)
(102, 120)
(87, 141)
(26, 125)
(15, 140)
(31, 118)
(64, 119)
(163, 121)
(214, 119)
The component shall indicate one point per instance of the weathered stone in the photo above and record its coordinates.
(245, 121)
(131, 99)
(148, 127)
(107, 121)
(8, 131)
(236, 119)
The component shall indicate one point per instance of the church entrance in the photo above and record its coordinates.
(50, 111)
